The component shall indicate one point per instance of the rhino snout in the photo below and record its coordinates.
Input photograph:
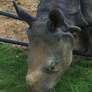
(33, 77)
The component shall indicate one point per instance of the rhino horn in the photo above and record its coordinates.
(24, 15)
(74, 29)
(56, 17)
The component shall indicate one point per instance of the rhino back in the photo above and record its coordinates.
(66, 6)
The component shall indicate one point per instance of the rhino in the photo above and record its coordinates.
(51, 41)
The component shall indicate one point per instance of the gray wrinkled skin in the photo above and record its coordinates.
(81, 11)
(71, 10)
(51, 44)
(85, 43)
(49, 56)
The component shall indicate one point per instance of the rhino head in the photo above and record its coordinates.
(50, 54)
(50, 49)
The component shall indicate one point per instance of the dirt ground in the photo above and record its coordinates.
(15, 29)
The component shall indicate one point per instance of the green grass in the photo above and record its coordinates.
(13, 70)
(77, 79)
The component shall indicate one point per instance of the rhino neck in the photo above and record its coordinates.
(66, 6)
(86, 7)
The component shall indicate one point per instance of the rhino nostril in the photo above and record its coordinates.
(52, 66)
(49, 68)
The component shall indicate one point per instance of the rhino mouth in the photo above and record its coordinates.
(44, 90)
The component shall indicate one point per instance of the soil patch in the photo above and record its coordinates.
(14, 29)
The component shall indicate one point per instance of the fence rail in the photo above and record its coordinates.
(75, 52)
(10, 15)
(13, 42)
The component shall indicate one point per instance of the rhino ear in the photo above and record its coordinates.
(74, 29)
(24, 15)
(56, 17)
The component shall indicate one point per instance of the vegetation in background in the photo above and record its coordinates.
(13, 68)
